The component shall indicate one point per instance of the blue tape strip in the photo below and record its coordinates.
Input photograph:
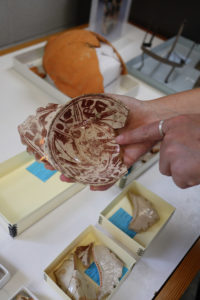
(93, 273)
(122, 219)
(40, 171)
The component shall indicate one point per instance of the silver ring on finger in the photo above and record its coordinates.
(160, 128)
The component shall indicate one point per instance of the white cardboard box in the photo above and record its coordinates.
(24, 198)
(90, 234)
(129, 250)
(140, 241)
(4, 276)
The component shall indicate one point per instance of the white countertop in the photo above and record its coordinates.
(27, 255)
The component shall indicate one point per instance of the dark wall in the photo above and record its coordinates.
(165, 16)
(22, 20)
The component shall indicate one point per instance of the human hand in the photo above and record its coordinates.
(67, 179)
(180, 147)
(92, 187)
(62, 176)
(140, 113)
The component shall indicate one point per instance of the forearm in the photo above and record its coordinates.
(187, 102)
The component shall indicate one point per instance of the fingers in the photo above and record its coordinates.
(169, 164)
(175, 162)
(101, 188)
(48, 166)
(66, 179)
(92, 188)
(71, 180)
(180, 177)
(146, 133)
(168, 169)
(164, 162)
(132, 153)
(62, 177)
(32, 151)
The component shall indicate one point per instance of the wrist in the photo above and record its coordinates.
(150, 112)
(161, 110)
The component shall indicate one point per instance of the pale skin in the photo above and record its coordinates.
(180, 147)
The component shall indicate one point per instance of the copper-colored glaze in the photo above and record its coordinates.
(81, 139)
(71, 61)
(34, 129)
(78, 138)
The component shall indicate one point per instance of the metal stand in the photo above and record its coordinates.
(166, 60)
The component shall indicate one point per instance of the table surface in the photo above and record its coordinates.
(27, 255)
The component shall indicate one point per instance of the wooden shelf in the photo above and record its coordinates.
(180, 279)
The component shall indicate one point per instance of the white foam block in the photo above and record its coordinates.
(109, 63)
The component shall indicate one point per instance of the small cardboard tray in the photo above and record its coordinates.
(140, 241)
(125, 84)
(89, 235)
(4, 276)
(24, 198)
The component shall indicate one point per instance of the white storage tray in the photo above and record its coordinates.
(124, 85)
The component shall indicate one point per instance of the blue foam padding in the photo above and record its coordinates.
(122, 219)
(40, 171)
(93, 273)
(124, 270)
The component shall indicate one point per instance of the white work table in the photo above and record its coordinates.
(27, 255)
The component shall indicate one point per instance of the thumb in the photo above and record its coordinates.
(145, 133)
